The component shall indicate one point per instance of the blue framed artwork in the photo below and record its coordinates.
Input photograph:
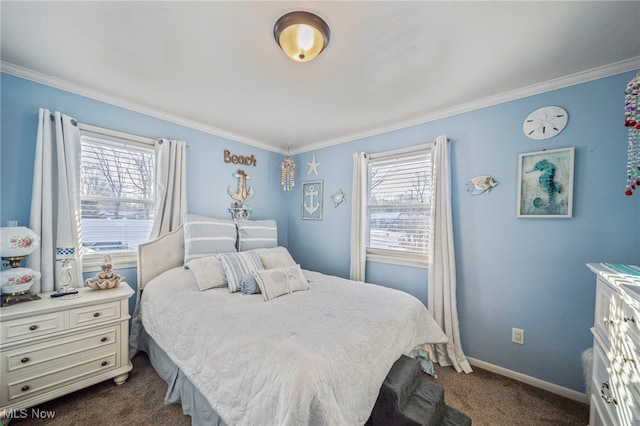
(545, 183)
(312, 200)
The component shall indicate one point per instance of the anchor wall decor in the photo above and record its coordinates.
(244, 192)
(312, 200)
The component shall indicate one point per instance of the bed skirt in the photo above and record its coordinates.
(179, 389)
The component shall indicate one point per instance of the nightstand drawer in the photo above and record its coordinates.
(95, 314)
(38, 325)
(37, 384)
(58, 352)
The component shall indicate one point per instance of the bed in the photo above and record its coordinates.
(292, 354)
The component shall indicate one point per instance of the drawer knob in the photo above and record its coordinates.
(104, 363)
(25, 359)
(96, 315)
(104, 339)
(25, 388)
(33, 327)
(629, 319)
(607, 398)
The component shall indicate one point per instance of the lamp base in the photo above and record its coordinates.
(66, 294)
(18, 297)
(14, 261)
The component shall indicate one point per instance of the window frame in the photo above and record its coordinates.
(92, 262)
(390, 256)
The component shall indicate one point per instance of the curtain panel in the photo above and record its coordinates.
(442, 267)
(171, 208)
(55, 199)
(171, 186)
(359, 217)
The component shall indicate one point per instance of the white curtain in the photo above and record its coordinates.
(55, 198)
(171, 186)
(171, 207)
(359, 217)
(442, 268)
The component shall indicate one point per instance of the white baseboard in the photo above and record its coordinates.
(541, 384)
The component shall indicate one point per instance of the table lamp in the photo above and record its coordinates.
(16, 243)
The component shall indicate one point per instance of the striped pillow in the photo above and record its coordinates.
(253, 234)
(206, 236)
(237, 265)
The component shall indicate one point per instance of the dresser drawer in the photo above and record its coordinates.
(95, 314)
(39, 325)
(59, 352)
(604, 315)
(40, 383)
(602, 387)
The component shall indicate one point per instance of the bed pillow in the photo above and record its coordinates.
(208, 271)
(279, 281)
(237, 265)
(253, 234)
(277, 257)
(249, 285)
(206, 236)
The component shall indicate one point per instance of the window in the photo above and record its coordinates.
(116, 195)
(399, 206)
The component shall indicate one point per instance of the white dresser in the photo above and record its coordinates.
(51, 347)
(615, 386)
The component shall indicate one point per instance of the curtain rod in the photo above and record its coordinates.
(115, 133)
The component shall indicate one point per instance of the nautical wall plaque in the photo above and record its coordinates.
(312, 200)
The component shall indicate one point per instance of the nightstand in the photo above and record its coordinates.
(51, 347)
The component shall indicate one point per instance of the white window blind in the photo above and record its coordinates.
(117, 194)
(400, 190)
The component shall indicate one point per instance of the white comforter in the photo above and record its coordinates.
(309, 357)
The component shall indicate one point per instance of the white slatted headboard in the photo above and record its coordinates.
(159, 255)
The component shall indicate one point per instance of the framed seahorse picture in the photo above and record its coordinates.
(312, 200)
(545, 183)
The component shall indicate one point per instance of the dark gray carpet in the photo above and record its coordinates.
(489, 399)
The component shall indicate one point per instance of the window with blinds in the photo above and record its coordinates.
(399, 206)
(116, 194)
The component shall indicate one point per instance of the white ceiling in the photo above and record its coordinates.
(216, 66)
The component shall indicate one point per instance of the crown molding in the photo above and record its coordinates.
(620, 67)
(626, 65)
(77, 89)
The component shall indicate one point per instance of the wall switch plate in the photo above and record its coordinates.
(517, 336)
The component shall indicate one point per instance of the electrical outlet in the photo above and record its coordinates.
(517, 336)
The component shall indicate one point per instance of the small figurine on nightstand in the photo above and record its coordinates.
(105, 279)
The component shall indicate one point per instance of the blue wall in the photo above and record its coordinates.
(511, 272)
(208, 176)
(525, 273)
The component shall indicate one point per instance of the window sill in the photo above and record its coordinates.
(93, 262)
(402, 261)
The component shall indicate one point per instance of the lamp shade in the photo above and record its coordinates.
(65, 253)
(18, 241)
(301, 35)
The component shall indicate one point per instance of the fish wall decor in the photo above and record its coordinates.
(480, 184)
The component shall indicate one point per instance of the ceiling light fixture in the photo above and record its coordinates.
(301, 35)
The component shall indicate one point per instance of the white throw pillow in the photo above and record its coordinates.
(277, 257)
(208, 271)
(279, 281)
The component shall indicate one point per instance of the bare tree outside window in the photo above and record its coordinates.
(399, 203)
(117, 194)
